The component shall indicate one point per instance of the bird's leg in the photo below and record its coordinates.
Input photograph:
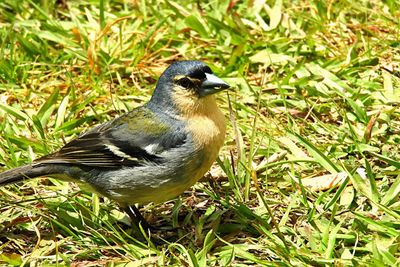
(137, 218)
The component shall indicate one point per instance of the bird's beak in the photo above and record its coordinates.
(212, 84)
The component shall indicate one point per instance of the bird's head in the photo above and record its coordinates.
(187, 85)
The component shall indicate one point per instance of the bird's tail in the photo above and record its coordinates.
(22, 173)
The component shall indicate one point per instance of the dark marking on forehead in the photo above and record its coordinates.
(199, 73)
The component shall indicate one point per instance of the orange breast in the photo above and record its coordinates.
(208, 133)
(205, 122)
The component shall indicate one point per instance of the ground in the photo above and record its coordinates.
(308, 175)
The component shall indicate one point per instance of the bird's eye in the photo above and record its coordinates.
(185, 82)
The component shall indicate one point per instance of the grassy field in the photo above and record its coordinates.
(308, 176)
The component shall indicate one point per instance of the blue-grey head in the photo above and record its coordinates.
(186, 79)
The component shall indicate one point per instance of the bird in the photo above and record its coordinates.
(150, 154)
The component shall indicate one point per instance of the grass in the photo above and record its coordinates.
(316, 97)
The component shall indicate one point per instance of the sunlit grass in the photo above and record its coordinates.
(315, 96)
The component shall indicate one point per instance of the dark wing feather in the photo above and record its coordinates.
(120, 142)
(89, 150)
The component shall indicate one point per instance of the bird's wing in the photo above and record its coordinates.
(133, 139)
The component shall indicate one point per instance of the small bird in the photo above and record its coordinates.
(150, 154)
